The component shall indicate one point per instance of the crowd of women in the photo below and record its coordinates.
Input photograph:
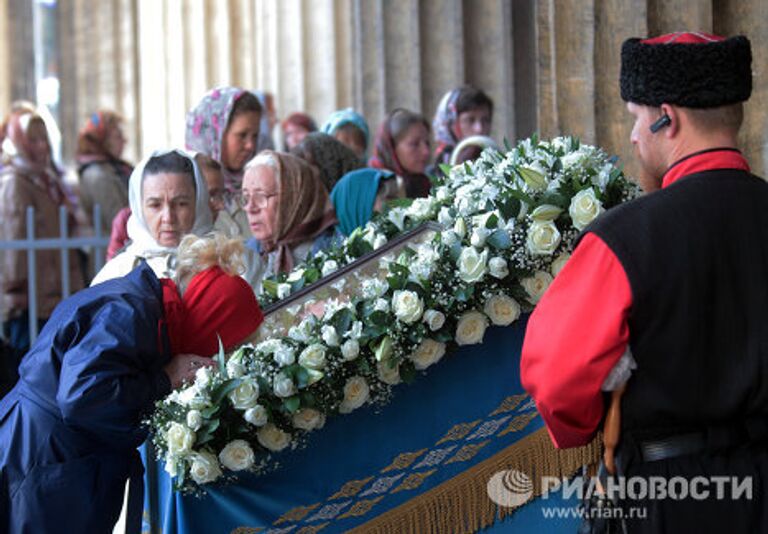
(193, 234)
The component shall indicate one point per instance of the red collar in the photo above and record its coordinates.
(705, 160)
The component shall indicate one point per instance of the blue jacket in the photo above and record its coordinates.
(70, 428)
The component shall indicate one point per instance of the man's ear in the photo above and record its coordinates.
(673, 127)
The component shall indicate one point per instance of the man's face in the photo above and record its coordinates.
(648, 147)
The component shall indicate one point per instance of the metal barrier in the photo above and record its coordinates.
(64, 243)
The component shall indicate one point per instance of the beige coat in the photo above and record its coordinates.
(17, 191)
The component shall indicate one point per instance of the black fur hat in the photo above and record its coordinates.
(691, 70)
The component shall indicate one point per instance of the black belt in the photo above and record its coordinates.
(673, 446)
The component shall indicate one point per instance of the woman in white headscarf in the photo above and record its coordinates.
(169, 199)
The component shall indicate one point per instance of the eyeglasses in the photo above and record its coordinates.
(259, 199)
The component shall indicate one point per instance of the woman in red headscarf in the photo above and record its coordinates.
(70, 428)
(102, 172)
(402, 146)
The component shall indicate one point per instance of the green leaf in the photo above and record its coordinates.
(298, 284)
(408, 373)
(445, 169)
(302, 377)
(209, 412)
(492, 221)
(499, 239)
(464, 294)
(342, 320)
(507, 146)
(270, 287)
(292, 404)
(400, 203)
(455, 251)
(311, 275)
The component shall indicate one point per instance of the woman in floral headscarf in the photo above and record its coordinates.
(289, 212)
(29, 178)
(225, 126)
(462, 112)
(103, 174)
(402, 146)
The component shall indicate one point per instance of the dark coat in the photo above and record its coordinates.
(70, 428)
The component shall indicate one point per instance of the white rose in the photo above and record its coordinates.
(203, 377)
(479, 235)
(497, 267)
(308, 419)
(313, 357)
(356, 331)
(460, 228)
(356, 392)
(283, 290)
(388, 372)
(559, 263)
(536, 285)
(272, 438)
(420, 208)
(502, 310)
(434, 319)
(350, 349)
(179, 439)
(283, 386)
(329, 335)
(237, 455)
(472, 266)
(584, 208)
(257, 415)
(471, 328)
(543, 237)
(407, 306)
(303, 331)
(245, 395)
(171, 465)
(444, 217)
(427, 353)
(374, 288)
(449, 238)
(381, 305)
(205, 468)
(193, 398)
(329, 267)
(235, 368)
(379, 241)
(296, 275)
(284, 355)
(194, 419)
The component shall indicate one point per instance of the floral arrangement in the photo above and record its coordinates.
(510, 222)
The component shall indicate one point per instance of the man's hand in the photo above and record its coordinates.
(182, 368)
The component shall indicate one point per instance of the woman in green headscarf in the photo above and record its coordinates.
(362, 192)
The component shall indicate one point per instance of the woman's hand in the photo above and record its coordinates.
(182, 368)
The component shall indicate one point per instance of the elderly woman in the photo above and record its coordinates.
(331, 157)
(70, 428)
(402, 146)
(289, 213)
(102, 173)
(169, 199)
(360, 194)
(29, 178)
(349, 127)
(462, 112)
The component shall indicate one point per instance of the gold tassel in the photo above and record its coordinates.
(461, 504)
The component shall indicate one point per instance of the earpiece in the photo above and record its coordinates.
(660, 123)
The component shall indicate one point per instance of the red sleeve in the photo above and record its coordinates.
(575, 336)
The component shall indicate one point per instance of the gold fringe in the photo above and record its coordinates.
(461, 504)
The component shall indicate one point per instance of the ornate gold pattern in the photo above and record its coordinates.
(467, 452)
(350, 489)
(361, 508)
(312, 529)
(519, 422)
(296, 514)
(459, 431)
(414, 480)
(509, 404)
(404, 460)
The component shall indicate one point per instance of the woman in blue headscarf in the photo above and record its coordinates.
(360, 193)
(349, 127)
